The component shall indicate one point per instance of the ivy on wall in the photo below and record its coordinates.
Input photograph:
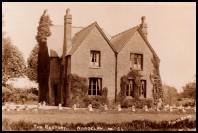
(79, 93)
(157, 91)
(136, 76)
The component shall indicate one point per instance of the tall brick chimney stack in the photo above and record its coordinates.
(67, 44)
(143, 26)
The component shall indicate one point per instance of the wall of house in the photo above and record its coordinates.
(136, 45)
(80, 61)
(54, 79)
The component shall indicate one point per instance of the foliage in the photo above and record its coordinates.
(191, 103)
(96, 101)
(122, 93)
(170, 94)
(157, 91)
(44, 28)
(136, 76)
(16, 95)
(13, 64)
(78, 89)
(32, 61)
(189, 91)
(79, 95)
(135, 125)
(138, 103)
(43, 56)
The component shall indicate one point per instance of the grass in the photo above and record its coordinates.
(83, 116)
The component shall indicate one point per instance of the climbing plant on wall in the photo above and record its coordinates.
(136, 76)
(157, 91)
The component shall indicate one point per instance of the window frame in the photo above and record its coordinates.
(98, 82)
(145, 88)
(93, 56)
(132, 61)
(130, 89)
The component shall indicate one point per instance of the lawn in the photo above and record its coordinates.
(83, 116)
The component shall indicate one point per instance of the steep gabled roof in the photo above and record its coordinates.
(81, 35)
(121, 39)
(55, 41)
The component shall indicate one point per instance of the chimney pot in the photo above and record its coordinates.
(144, 26)
(143, 19)
(67, 32)
(68, 11)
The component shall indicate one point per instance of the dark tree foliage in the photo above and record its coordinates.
(32, 61)
(43, 56)
(189, 90)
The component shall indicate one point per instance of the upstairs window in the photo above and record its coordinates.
(136, 61)
(95, 86)
(95, 59)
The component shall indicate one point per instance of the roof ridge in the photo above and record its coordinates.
(123, 32)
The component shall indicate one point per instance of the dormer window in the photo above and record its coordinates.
(95, 59)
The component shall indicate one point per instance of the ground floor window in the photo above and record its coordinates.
(95, 86)
(130, 87)
(142, 90)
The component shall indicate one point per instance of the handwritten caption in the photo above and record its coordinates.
(78, 128)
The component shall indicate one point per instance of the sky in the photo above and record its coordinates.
(171, 29)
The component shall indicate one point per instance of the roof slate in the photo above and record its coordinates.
(117, 42)
(121, 39)
(55, 41)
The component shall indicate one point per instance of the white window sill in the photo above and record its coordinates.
(129, 97)
(94, 67)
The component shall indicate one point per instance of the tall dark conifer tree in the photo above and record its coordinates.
(43, 57)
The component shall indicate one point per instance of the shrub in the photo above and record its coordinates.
(96, 101)
(191, 103)
(32, 97)
(135, 125)
(34, 91)
(16, 95)
(138, 103)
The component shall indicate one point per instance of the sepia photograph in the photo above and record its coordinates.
(99, 66)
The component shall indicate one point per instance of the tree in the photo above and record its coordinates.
(43, 56)
(33, 64)
(170, 94)
(189, 90)
(13, 63)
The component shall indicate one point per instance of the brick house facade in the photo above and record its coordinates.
(90, 52)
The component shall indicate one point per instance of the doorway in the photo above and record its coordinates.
(56, 96)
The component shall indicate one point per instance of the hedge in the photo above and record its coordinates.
(138, 103)
(136, 125)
